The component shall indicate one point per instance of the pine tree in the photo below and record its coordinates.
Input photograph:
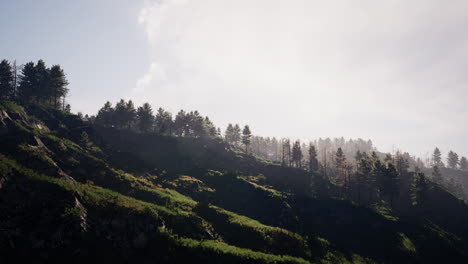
(210, 128)
(43, 91)
(6, 80)
(286, 152)
(145, 117)
(297, 154)
(163, 122)
(437, 157)
(340, 159)
(340, 163)
(246, 135)
(452, 160)
(28, 83)
(364, 168)
(419, 188)
(313, 161)
(390, 182)
(196, 125)
(180, 123)
(130, 114)
(105, 116)
(401, 164)
(463, 164)
(58, 84)
(236, 135)
(228, 134)
(120, 113)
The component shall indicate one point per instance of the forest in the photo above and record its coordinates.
(217, 195)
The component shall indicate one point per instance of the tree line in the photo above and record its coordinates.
(34, 83)
(185, 124)
(453, 160)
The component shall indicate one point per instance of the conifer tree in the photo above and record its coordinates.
(228, 134)
(57, 84)
(210, 128)
(120, 113)
(236, 135)
(28, 83)
(437, 157)
(286, 152)
(180, 123)
(196, 125)
(130, 114)
(43, 91)
(390, 182)
(163, 123)
(313, 161)
(419, 188)
(463, 164)
(6, 80)
(246, 135)
(340, 159)
(105, 115)
(145, 117)
(452, 160)
(297, 154)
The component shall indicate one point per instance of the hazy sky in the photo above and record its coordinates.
(393, 71)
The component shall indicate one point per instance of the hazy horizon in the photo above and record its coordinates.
(391, 72)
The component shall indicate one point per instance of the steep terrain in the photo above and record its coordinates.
(72, 191)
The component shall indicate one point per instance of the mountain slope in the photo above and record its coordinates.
(67, 187)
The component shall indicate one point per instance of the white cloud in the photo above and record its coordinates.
(386, 70)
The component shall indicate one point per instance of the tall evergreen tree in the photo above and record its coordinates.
(145, 117)
(437, 157)
(43, 91)
(163, 122)
(401, 164)
(419, 188)
(6, 80)
(57, 84)
(130, 114)
(197, 126)
(228, 134)
(313, 161)
(340, 163)
(246, 135)
(236, 135)
(363, 180)
(120, 113)
(340, 159)
(210, 128)
(452, 160)
(463, 164)
(390, 182)
(105, 115)
(286, 152)
(28, 83)
(297, 154)
(180, 123)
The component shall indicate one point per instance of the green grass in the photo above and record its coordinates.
(407, 244)
(271, 192)
(9, 106)
(385, 212)
(246, 255)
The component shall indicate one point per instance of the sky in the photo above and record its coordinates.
(391, 71)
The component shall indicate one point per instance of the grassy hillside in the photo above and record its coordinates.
(70, 188)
